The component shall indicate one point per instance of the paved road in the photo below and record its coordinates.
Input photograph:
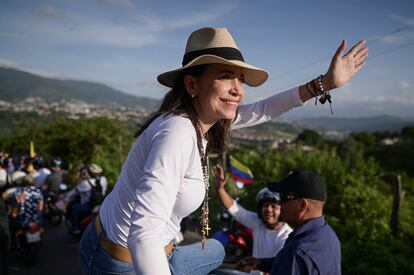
(57, 256)
(59, 253)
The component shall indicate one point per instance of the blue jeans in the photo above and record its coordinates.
(189, 259)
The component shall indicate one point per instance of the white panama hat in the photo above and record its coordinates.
(214, 46)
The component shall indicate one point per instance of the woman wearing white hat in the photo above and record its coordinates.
(165, 176)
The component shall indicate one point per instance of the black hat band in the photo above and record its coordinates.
(223, 52)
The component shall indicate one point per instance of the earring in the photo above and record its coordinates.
(192, 96)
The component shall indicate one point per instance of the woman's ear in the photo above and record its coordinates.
(190, 84)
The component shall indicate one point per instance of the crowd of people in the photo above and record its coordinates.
(28, 184)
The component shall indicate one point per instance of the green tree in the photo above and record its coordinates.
(310, 137)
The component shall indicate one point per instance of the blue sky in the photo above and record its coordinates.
(126, 44)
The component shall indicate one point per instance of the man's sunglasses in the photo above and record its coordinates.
(288, 197)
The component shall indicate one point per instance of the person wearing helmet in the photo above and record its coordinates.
(269, 234)
(313, 247)
(58, 176)
(17, 178)
(16, 182)
(41, 171)
(95, 171)
(3, 177)
(9, 165)
(26, 203)
(91, 182)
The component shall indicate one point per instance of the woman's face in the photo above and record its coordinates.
(219, 91)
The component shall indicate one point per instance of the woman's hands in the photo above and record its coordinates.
(344, 67)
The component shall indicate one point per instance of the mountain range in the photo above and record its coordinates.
(16, 85)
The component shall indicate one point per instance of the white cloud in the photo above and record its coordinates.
(405, 84)
(201, 17)
(11, 35)
(8, 63)
(401, 35)
(398, 38)
(112, 35)
(392, 97)
(80, 27)
(185, 19)
(409, 22)
(123, 3)
(49, 11)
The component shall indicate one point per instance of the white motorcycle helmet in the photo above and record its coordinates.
(17, 177)
(265, 195)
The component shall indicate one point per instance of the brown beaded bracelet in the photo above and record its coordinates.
(317, 90)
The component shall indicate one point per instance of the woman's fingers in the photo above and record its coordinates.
(361, 56)
(359, 67)
(361, 53)
(355, 49)
(340, 50)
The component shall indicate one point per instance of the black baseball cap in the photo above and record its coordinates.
(303, 183)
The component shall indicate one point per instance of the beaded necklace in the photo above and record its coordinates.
(205, 228)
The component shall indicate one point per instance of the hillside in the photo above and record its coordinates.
(16, 85)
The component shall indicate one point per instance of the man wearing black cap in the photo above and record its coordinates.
(312, 247)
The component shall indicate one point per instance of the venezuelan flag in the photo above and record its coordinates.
(240, 172)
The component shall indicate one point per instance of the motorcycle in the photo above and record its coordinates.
(55, 206)
(84, 222)
(235, 237)
(27, 242)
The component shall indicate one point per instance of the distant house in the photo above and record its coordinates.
(390, 141)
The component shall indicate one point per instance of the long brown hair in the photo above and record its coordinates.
(179, 102)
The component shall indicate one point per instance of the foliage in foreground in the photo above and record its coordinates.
(355, 170)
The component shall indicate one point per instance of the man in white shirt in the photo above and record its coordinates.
(269, 234)
(91, 177)
(41, 171)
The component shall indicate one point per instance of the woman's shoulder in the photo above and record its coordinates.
(171, 119)
(176, 124)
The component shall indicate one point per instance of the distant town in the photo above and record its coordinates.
(272, 136)
(75, 109)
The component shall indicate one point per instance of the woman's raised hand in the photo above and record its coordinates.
(344, 67)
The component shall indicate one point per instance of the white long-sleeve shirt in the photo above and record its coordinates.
(161, 182)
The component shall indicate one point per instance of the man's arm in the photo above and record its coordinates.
(219, 182)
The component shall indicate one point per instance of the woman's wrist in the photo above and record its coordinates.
(317, 87)
(313, 88)
(327, 82)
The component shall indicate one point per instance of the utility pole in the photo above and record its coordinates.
(398, 195)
